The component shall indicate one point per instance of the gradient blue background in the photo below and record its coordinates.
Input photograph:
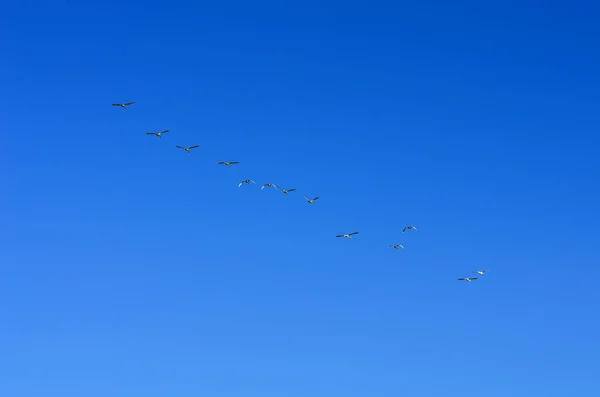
(129, 268)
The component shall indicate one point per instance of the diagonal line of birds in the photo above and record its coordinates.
(311, 201)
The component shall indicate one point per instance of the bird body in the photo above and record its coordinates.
(409, 228)
(248, 181)
(187, 149)
(349, 235)
(158, 134)
(123, 105)
(482, 272)
(468, 279)
(228, 163)
(310, 201)
(286, 191)
(396, 246)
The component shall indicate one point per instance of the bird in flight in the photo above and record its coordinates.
(269, 185)
(468, 279)
(123, 105)
(396, 246)
(187, 149)
(409, 228)
(349, 235)
(310, 201)
(228, 163)
(248, 181)
(158, 134)
(286, 191)
(482, 272)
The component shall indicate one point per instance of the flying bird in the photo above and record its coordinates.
(349, 235)
(482, 272)
(123, 105)
(248, 181)
(269, 185)
(409, 228)
(158, 134)
(469, 279)
(396, 246)
(187, 149)
(310, 201)
(228, 163)
(286, 191)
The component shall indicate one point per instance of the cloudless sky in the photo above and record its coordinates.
(131, 268)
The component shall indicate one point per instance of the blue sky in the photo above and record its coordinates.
(129, 268)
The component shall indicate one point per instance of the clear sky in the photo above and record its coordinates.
(130, 268)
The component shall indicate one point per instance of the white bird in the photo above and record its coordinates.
(187, 149)
(158, 134)
(469, 279)
(286, 191)
(409, 228)
(310, 201)
(269, 185)
(123, 105)
(396, 246)
(482, 272)
(228, 163)
(248, 181)
(349, 235)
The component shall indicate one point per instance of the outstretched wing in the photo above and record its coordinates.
(128, 103)
(150, 133)
(240, 184)
(340, 235)
(180, 147)
(461, 279)
(116, 104)
(316, 198)
(220, 162)
(474, 278)
(234, 162)
(405, 229)
(400, 245)
(194, 147)
(352, 233)
(252, 181)
(291, 190)
(164, 132)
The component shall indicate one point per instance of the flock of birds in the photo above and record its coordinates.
(189, 149)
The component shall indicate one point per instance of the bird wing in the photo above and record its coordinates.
(340, 235)
(116, 104)
(164, 132)
(241, 183)
(291, 190)
(462, 278)
(180, 147)
(316, 198)
(252, 181)
(220, 162)
(150, 133)
(234, 162)
(194, 147)
(403, 230)
(401, 246)
(474, 278)
(350, 234)
(128, 103)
